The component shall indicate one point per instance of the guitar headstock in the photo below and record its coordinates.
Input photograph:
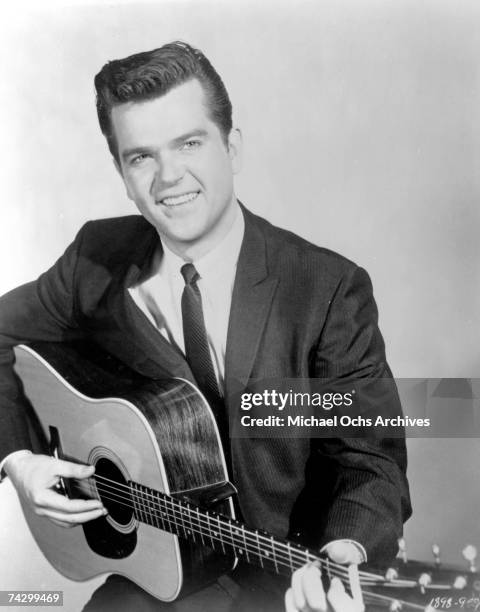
(416, 585)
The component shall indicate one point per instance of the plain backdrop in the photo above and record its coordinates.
(361, 126)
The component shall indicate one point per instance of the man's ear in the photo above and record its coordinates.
(235, 149)
(118, 168)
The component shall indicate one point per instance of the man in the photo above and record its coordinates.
(201, 288)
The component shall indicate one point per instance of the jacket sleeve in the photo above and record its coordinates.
(368, 490)
(42, 310)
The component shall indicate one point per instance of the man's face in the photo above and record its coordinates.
(177, 168)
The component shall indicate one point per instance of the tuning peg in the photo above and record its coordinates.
(470, 554)
(423, 581)
(402, 550)
(395, 606)
(391, 574)
(436, 553)
(460, 583)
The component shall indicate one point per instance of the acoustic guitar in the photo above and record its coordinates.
(160, 471)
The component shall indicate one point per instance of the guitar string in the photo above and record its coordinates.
(305, 556)
(230, 537)
(333, 572)
(227, 528)
(376, 597)
(338, 570)
(334, 569)
(225, 541)
(300, 557)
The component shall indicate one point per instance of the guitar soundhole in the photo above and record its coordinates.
(113, 535)
(113, 490)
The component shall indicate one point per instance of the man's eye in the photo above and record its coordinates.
(138, 159)
(191, 144)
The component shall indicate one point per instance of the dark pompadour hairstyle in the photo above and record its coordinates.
(151, 74)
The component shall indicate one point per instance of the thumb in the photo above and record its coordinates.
(344, 553)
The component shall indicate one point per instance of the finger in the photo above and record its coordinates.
(343, 552)
(51, 500)
(313, 589)
(338, 598)
(73, 470)
(289, 602)
(71, 520)
(297, 589)
(54, 469)
(355, 587)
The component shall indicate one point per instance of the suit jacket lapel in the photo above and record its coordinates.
(252, 296)
(154, 356)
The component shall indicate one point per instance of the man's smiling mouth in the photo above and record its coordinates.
(183, 198)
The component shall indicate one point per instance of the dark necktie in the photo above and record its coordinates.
(197, 351)
(198, 355)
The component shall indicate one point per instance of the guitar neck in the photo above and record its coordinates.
(221, 533)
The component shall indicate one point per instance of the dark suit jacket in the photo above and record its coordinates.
(298, 311)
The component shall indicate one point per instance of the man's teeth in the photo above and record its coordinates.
(181, 199)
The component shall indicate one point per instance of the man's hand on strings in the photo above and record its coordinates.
(35, 478)
(307, 594)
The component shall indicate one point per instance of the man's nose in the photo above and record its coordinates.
(169, 171)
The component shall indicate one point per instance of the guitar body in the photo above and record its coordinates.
(88, 408)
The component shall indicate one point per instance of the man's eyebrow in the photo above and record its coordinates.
(200, 132)
(136, 151)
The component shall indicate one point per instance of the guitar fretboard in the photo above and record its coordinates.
(221, 533)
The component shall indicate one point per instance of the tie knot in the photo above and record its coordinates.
(189, 273)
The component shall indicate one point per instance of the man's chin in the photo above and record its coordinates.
(177, 228)
(182, 241)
